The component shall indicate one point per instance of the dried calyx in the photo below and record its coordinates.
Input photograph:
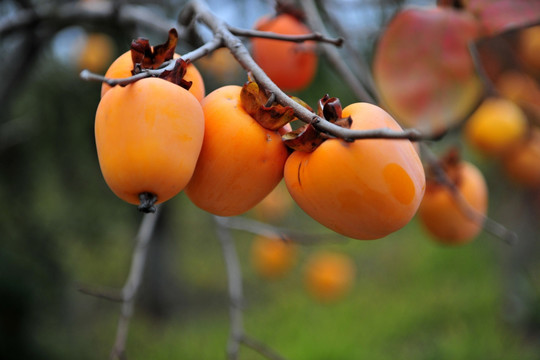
(261, 106)
(145, 56)
(307, 138)
(445, 171)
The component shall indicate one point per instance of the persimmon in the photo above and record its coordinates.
(96, 53)
(240, 161)
(364, 189)
(495, 125)
(122, 66)
(148, 136)
(454, 217)
(329, 275)
(522, 162)
(274, 206)
(292, 66)
(272, 257)
(529, 47)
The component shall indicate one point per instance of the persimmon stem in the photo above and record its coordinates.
(314, 36)
(148, 201)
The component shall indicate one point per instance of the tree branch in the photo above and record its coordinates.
(240, 52)
(133, 282)
(82, 12)
(332, 54)
(259, 228)
(315, 36)
(237, 335)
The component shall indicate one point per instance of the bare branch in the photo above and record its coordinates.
(236, 296)
(293, 38)
(259, 228)
(107, 294)
(240, 52)
(315, 22)
(133, 282)
(204, 50)
(260, 348)
(82, 12)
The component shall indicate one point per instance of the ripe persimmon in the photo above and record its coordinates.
(529, 47)
(272, 257)
(453, 217)
(240, 161)
(122, 66)
(97, 52)
(329, 275)
(148, 136)
(364, 189)
(274, 206)
(522, 161)
(495, 126)
(291, 66)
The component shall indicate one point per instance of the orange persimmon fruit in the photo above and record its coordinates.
(522, 162)
(329, 275)
(122, 66)
(272, 257)
(97, 52)
(454, 218)
(495, 126)
(148, 136)
(240, 161)
(364, 189)
(292, 66)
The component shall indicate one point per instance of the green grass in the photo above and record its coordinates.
(412, 299)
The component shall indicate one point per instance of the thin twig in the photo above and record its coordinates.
(133, 282)
(491, 226)
(204, 50)
(315, 22)
(236, 296)
(237, 334)
(260, 228)
(260, 348)
(102, 293)
(82, 12)
(315, 36)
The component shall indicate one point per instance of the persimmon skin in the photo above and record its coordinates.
(240, 161)
(148, 136)
(122, 66)
(291, 66)
(442, 216)
(495, 126)
(522, 162)
(272, 258)
(328, 276)
(366, 189)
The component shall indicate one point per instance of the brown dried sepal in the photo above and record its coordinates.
(268, 114)
(446, 172)
(176, 75)
(146, 57)
(329, 108)
(307, 138)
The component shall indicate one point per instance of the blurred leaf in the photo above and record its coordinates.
(423, 68)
